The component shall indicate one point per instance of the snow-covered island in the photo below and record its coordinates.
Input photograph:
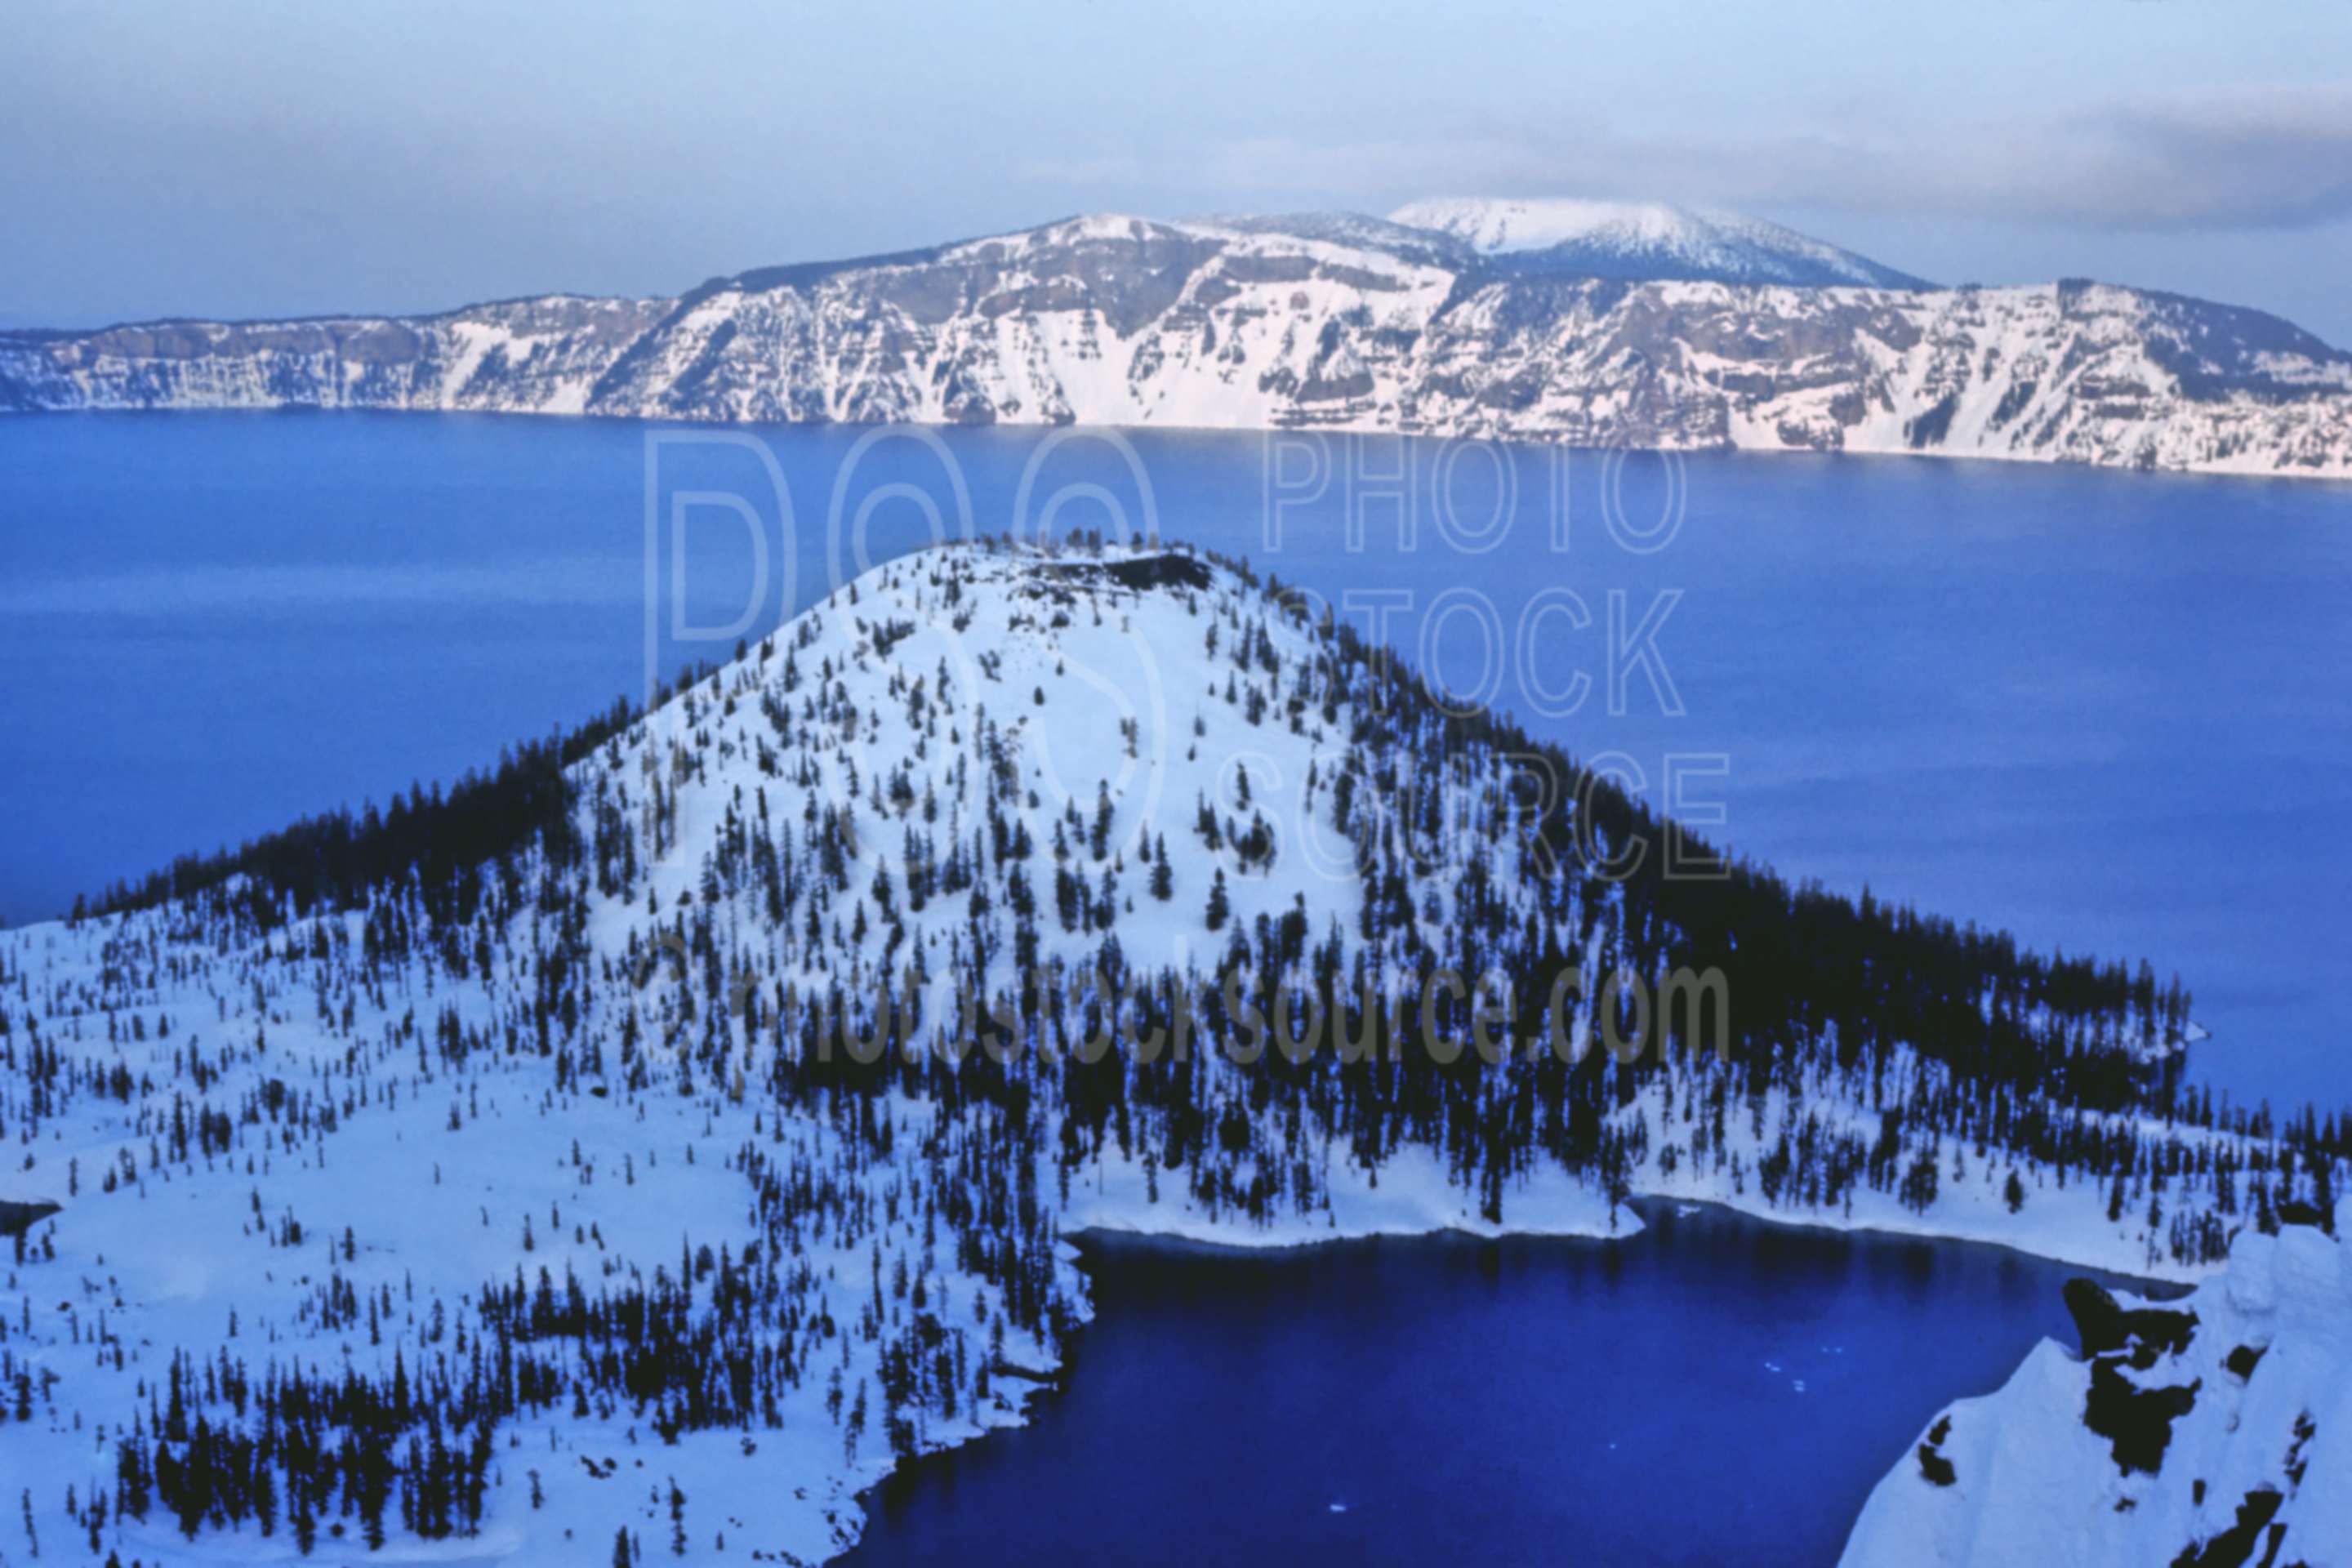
(518, 1171)
(1589, 323)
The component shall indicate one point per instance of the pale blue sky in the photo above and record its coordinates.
(243, 158)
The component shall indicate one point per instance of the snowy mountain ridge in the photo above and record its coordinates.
(546, 1160)
(1321, 322)
(1648, 240)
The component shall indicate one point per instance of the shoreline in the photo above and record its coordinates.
(1646, 1211)
(1529, 440)
(1719, 1224)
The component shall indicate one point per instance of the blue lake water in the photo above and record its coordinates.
(1712, 1391)
(2109, 711)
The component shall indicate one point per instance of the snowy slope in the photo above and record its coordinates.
(558, 1174)
(2207, 1431)
(1639, 328)
(1647, 240)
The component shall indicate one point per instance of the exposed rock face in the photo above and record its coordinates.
(2145, 1332)
(2202, 1434)
(1321, 322)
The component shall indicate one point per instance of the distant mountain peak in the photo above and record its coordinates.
(1647, 240)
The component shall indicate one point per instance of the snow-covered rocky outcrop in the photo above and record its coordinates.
(2211, 1431)
(1618, 326)
(670, 1132)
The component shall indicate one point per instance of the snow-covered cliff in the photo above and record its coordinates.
(1631, 328)
(2214, 1431)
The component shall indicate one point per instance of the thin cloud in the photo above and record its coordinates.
(2278, 159)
